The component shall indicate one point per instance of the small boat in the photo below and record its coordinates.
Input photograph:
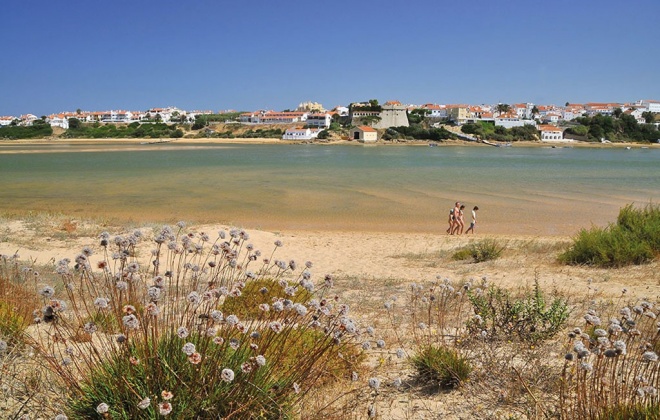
(433, 144)
(628, 147)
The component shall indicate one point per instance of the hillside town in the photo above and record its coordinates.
(309, 119)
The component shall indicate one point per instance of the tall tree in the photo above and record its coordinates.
(503, 108)
(649, 117)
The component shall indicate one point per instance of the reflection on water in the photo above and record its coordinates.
(518, 190)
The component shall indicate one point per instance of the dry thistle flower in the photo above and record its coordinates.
(227, 375)
(3, 346)
(193, 297)
(61, 417)
(195, 358)
(102, 408)
(366, 345)
(400, 353)
(599, 332)
(131, 322)
(374, 383)
(47, 292)
(164, 408)
(153, 293)
(182, 332)
(261, 360)
(380, 344)
(89, 328)
(101, 303)
(234, 343)
(144, 404)
(232, 320)
(167, 395)
(152, 309)
(300, 309)
(188, 348)
(218, 340)
(650, 356)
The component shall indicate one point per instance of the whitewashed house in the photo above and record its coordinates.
(551, 133)
(322, 119)
(510, 120)
(300, 134)
(650, 105)
(364, 134)
(6, 120)
(58, 120)
(436, 111)
(28, 119)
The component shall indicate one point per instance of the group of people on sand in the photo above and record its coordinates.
(456, 221)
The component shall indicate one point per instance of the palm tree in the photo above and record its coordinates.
(503, 108)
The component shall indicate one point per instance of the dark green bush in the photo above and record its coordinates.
(634, 239)
(441, 365)
(486, 250)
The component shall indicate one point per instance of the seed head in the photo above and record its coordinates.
(227, 375)
(144, 404)
(102, 408)
(164, 408)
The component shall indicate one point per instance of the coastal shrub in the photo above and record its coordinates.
(35, 131)
(634, 239)
(113, 130)
(528, 318)
(169, 333)
(615, 375)
(486, 250)
(462, 254)
(441, 365)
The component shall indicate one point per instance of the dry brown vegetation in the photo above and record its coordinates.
(510, 378)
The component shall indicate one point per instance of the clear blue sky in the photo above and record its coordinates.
(246, 55)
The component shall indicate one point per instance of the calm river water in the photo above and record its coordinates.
(543, 191)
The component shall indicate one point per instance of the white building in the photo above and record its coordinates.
(364, 134)
(58, 120)
(119, 116)
(28, 119)
(319, 120)
(300, 134)
(510, 120)
(650, 105)
(436, 111)
(524, 111)
(551, 133)
(6, 120)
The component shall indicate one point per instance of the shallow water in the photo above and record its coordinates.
(309, 187)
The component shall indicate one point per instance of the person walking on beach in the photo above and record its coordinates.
(453, 215)
(460, 223)
(451, 220)
(474, 220)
